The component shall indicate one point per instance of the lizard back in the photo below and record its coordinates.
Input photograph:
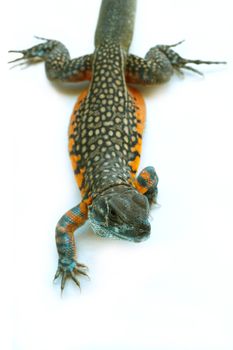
(106, 125)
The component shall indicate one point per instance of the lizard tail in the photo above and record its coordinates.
(116, 22)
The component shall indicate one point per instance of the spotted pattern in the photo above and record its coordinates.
(154, 69)
(58, 64)
(105, 134)
(106, 126)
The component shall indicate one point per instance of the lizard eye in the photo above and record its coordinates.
(112, 214)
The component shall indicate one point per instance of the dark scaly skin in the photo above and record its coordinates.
(106, 127)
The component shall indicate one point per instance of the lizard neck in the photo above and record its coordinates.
(110, 173)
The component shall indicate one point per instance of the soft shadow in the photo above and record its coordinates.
(70, 89)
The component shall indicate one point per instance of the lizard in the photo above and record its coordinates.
(105, 132)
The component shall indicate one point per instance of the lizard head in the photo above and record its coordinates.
(120, 212)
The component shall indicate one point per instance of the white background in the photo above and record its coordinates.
(172, 292)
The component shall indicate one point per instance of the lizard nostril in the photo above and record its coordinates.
(144, 228)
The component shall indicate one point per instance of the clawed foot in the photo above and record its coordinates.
(69, 268)
(34, 54)
(179, 63)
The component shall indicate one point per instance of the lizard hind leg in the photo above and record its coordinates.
(146, 183)
(58, 64)
(159, 64)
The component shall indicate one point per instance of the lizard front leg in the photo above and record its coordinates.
(146, 183)
(158, 65)
(58, 64)
(68, 267)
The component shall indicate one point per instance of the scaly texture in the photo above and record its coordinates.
(105, 134)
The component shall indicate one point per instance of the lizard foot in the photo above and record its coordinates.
(179, 62)
(69, 268)
(35, 53)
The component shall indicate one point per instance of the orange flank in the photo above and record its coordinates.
(75, 158)
(87, 75)
(134, 164)
(75, 109)
(79, 179)
(141, 108)
(141, 116)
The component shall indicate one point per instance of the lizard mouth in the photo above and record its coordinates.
(135, 239)
(123, 232)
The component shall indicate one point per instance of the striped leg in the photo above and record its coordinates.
(146, 183)
(68, 267)
(58, 63)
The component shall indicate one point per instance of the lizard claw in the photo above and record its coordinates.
(19, 58)
(179, 63)
(69, 268)
(24, 60)
(35, 53)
